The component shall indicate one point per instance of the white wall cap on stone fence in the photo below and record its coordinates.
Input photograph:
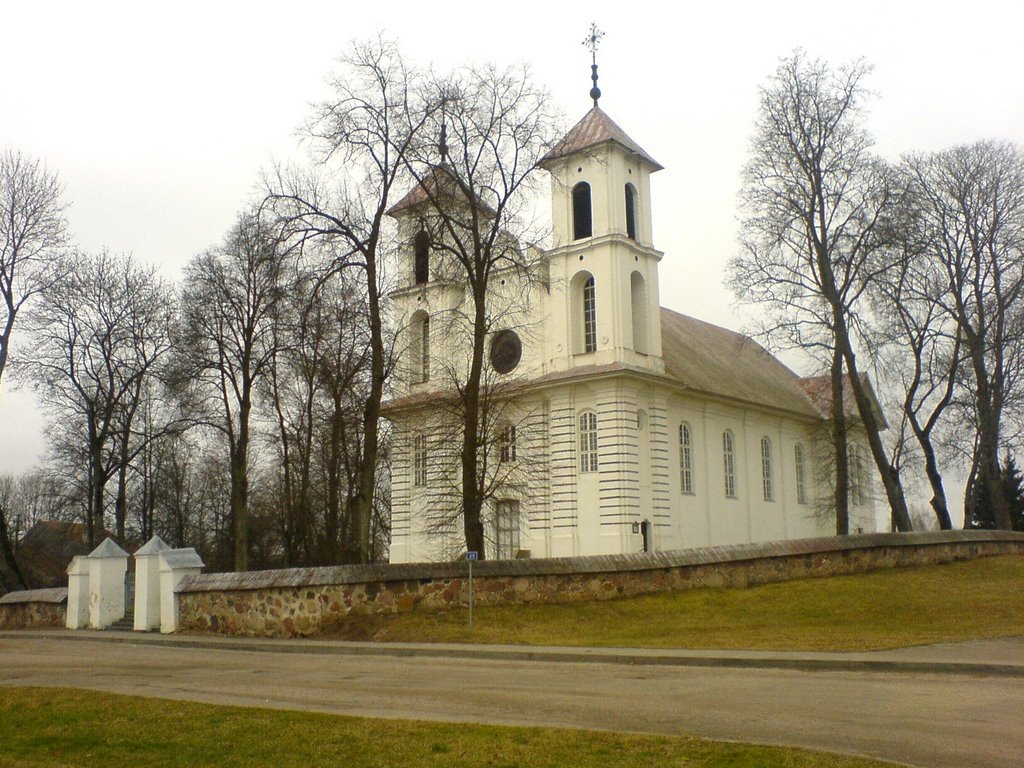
(52, 595)
(79, 566)
(154, 546)
(174, 559)
(108, 548)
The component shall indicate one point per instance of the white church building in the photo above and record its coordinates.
(622, 426)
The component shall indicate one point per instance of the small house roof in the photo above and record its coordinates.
(46, 550)
(819, 390)
(594, 129)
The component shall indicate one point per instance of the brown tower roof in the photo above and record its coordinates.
(596, 128)
(439, 184)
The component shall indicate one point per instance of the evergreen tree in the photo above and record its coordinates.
(982, 516)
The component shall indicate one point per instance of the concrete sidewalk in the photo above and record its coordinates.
(999, 657)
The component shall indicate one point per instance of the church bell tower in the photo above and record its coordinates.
(604, 267)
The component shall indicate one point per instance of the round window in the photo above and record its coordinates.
(506, 351)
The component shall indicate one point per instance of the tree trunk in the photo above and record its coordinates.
(970, 487)
(361, 507)
(988, 451)
(240, 488)
(332, 516)
(97, 482)
(239, 513)
(890, 477)
(17, 580)
(840, 447)
(121, 502)
(472, 501)
(931, 468)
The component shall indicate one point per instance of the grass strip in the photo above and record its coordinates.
(885, 609)
(67, 728)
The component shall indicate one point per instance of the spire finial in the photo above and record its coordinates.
(442, 145)
(592, 40)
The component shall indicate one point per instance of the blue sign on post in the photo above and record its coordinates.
(472, 555)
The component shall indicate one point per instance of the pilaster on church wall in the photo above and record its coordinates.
(658, 471)
(564, 495)
(539, 510)
(401, 468)
(619, 464)
(557, 339)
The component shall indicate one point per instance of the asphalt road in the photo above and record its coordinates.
(919, 719)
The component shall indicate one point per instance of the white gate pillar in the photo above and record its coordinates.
(175, 565)
(108, 564)
(147, 584)
(78, 593)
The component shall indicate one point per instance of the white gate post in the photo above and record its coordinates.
(175, 565)
(78, 593)
(147, 584)
(108, 564)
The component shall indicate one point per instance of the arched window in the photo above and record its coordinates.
(588, 441)
(421, 248)
(507, 443)
(419, 348)
(506, 529)
(801, 474)
(638, 303)
(419, 460)
(856, 475)
(631, 211)
(685, 459)
(767, 485)
(582, 216)
(589, 315)
(729, 463)
(425, 349)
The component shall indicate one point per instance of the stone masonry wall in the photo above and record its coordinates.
(303, 601)
(33, 609)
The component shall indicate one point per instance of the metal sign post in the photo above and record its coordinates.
(470, 557)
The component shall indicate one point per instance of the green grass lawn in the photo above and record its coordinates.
(63, 727)
(885, 609)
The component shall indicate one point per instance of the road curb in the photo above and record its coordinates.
(636, 657)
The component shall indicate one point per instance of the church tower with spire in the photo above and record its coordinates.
(603, 263)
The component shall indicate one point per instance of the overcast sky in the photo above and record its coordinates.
(159, 117)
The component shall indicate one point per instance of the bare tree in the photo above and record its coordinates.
(969, 205)
(99, 332)
(230, 300)
(33, 233)
(817, 203)
(494, 128)
(920, 345)
(365, 133)
(316, 389)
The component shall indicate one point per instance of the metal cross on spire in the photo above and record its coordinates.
(592, 40)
